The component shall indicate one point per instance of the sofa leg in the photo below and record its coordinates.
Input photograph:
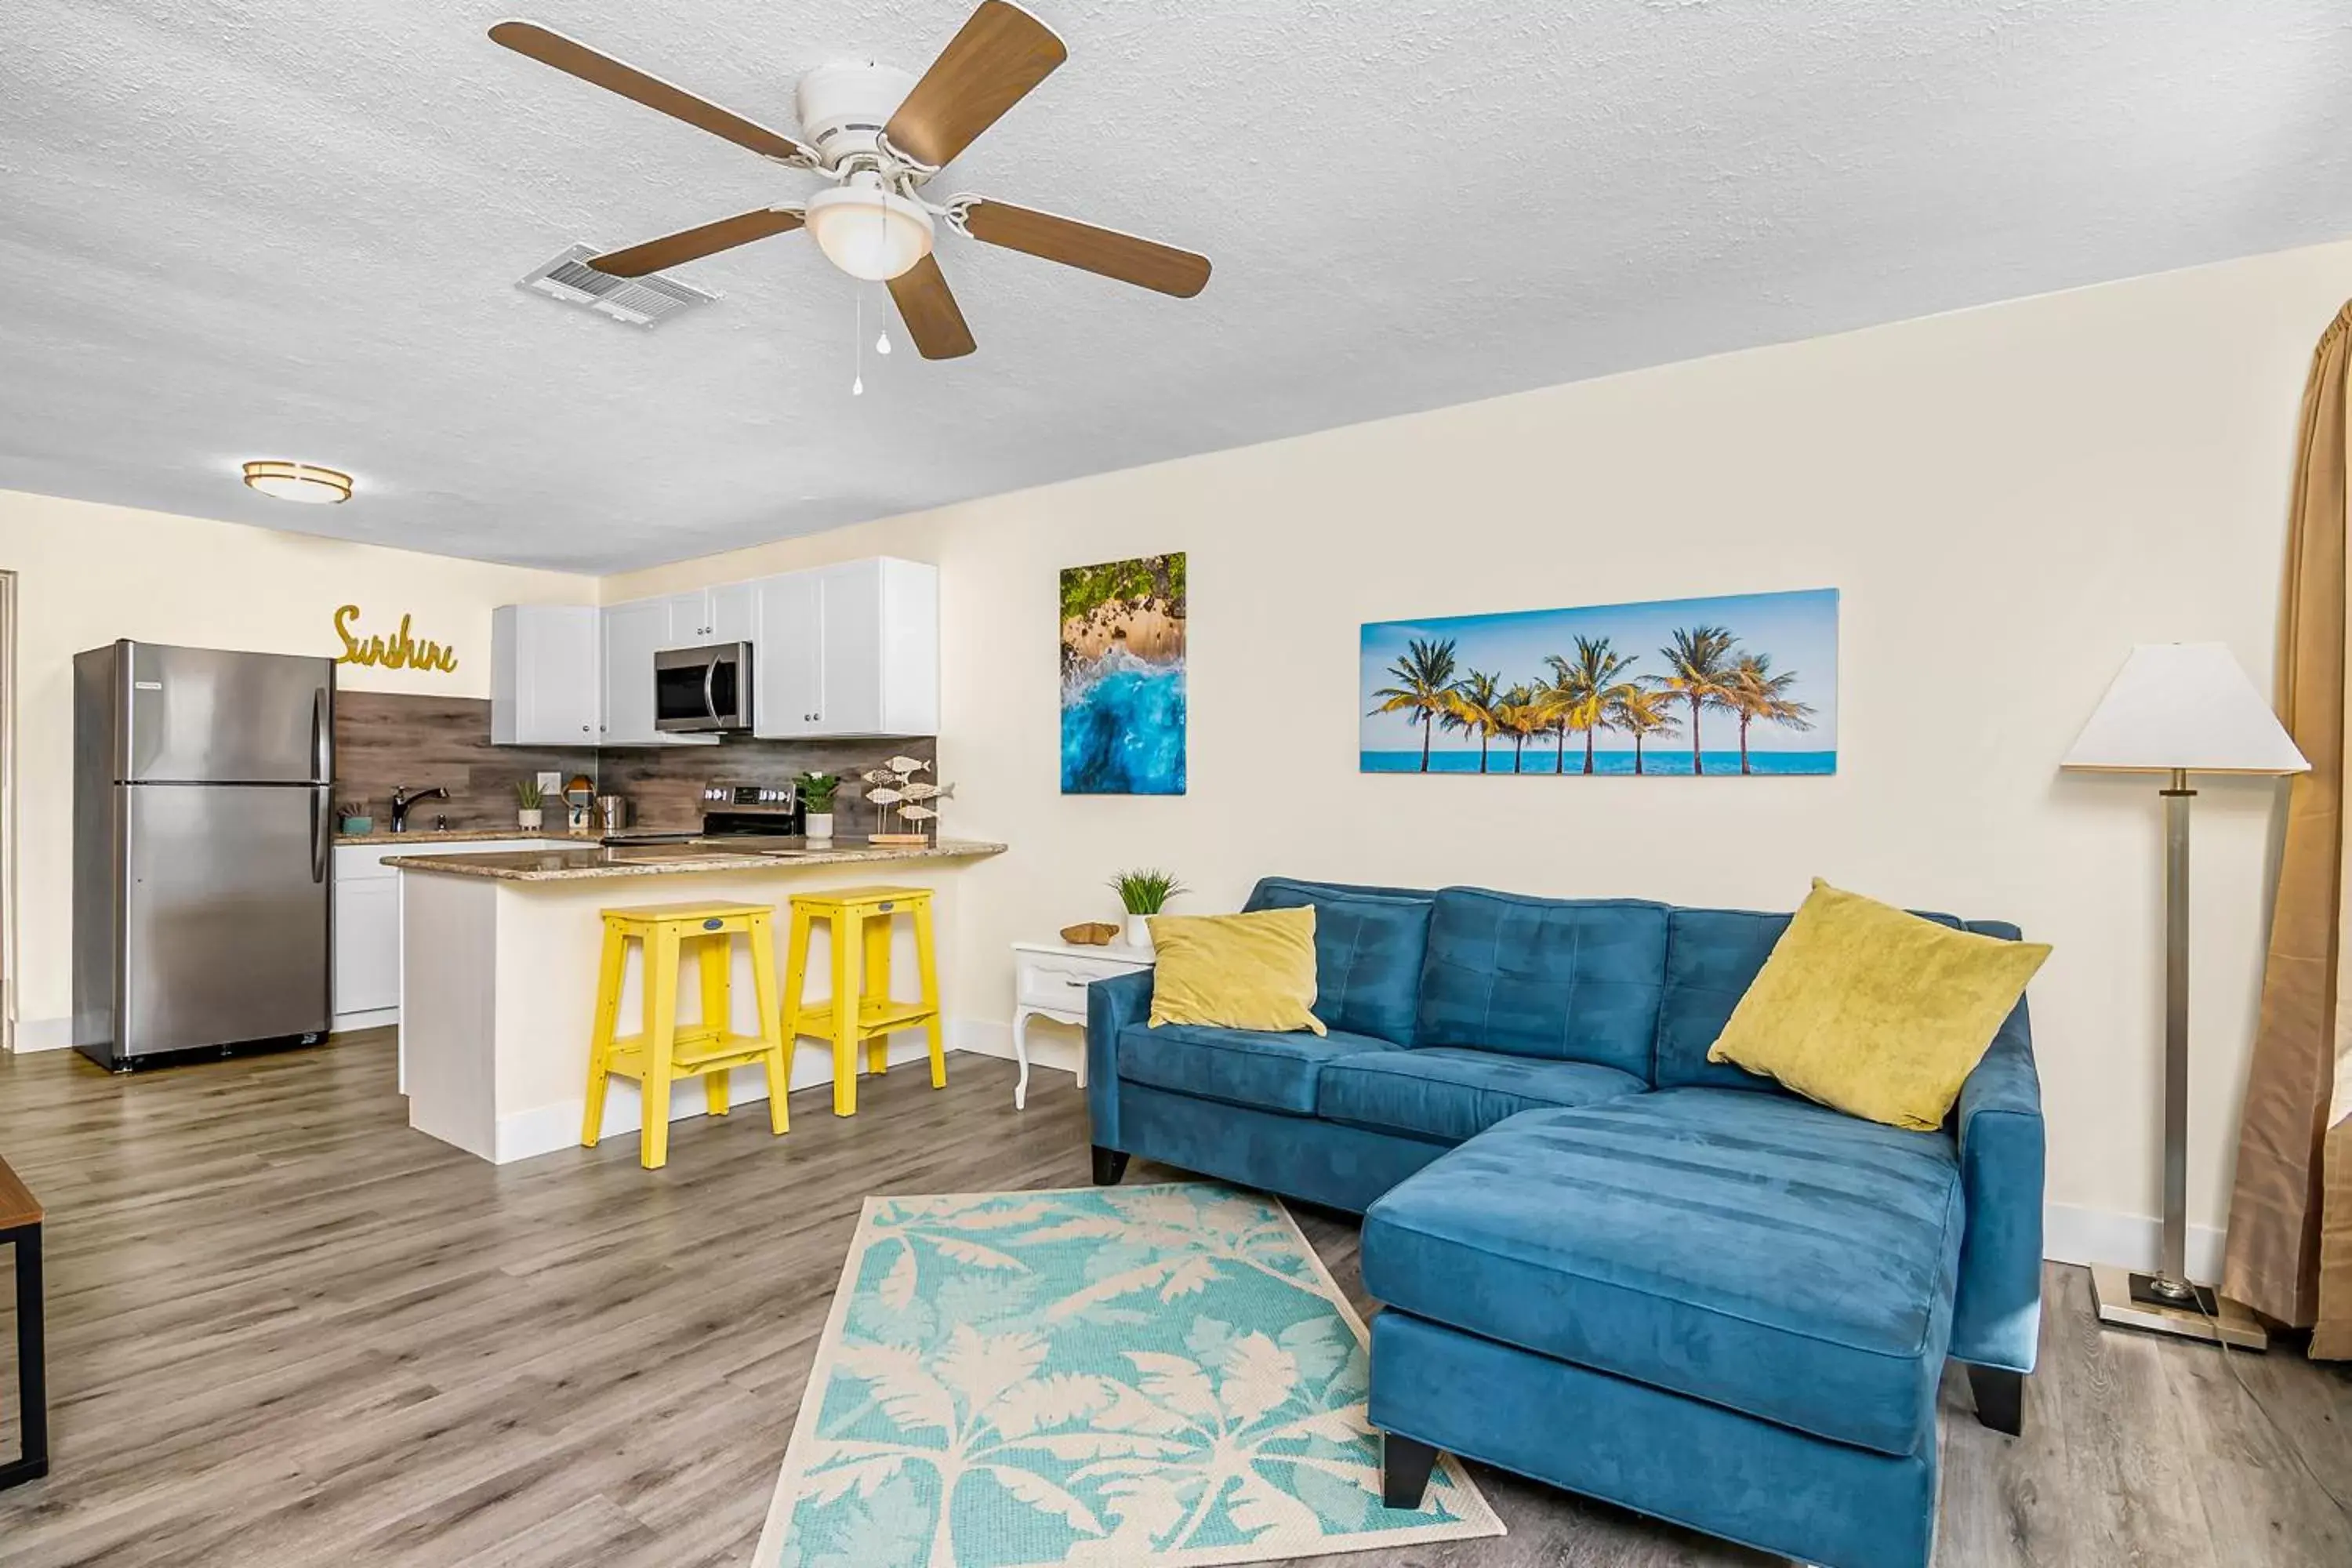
(2001, 1397)
(1110, 1165)
(1405, 1464)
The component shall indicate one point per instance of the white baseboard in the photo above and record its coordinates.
(367, 1019)
(2073, 1235)
(547, 1127)
(1061, 1047)
(44, 1035)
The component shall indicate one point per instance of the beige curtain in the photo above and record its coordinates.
(2290, 1239)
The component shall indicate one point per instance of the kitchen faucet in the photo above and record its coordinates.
(401, 800)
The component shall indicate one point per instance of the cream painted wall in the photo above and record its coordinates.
(88, 575)
(2009, 497)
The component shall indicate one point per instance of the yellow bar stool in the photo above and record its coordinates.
(666, 1050)
(861, 919)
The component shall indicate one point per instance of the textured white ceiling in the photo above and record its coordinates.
(276, 228)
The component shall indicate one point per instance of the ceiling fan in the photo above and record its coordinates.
(881, 135)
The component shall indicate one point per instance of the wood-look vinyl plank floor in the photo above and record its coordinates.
(286, 1331)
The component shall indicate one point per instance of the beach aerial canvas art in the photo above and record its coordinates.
(1123, 677)
(1740, 685)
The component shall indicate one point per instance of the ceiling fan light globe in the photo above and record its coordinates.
(871, 233)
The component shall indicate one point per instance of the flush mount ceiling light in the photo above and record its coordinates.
(869, 232)
(305, 482)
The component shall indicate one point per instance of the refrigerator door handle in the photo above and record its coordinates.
(319, 838)
(319, 766)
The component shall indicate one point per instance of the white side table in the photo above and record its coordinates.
(1050, 980)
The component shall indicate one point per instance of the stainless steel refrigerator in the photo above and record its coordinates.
(203, 849)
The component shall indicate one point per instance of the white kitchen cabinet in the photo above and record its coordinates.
(689, 618)
(848, 650)
(734, 614)
(367, 948)
(366, 955)
(546, 683)
(634, 633)
(787, 662)
(729, 613)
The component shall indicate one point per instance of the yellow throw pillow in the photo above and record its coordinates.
(1235, 972)
(1875, 1012)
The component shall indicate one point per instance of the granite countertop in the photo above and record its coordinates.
(447, 836)
(589, 862)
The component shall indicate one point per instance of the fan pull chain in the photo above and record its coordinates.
(858, 344)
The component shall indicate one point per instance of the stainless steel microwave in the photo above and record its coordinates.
(703, 690)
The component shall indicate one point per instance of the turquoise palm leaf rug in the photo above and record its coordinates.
(1131, 1375)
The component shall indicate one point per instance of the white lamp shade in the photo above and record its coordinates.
(2187, 706)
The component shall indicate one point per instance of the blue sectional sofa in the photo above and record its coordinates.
(1605, 1262)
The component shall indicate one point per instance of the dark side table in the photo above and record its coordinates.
(20, 1225)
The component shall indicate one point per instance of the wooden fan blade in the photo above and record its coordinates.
(930, 310)
(688, 244)
(1143, 262)
(1001, 53)
(576, 59)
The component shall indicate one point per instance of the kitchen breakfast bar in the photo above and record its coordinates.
(499, 972)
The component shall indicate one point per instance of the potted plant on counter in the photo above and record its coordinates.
(1144, 893)
(817, 791)
(529, 802)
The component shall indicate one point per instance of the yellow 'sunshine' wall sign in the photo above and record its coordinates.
(403, 652)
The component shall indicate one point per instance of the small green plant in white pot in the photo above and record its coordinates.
(528, 804)
(1145, 893)
(817, 791)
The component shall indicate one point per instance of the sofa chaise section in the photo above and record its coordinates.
(1785, 1260)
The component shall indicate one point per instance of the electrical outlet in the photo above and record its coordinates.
(551, 784)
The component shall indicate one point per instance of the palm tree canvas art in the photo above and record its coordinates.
(1123, 677)
(1735, 687)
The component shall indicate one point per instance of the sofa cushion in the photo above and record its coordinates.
(1712, 957)
(1570, 979)
(1755, 1251)
(1874, 1012)
(1253, 971)
(1243, 1067)
(1368, 953)
(1448, 1094)
(1268, 889)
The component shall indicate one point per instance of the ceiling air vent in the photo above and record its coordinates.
(645, 302)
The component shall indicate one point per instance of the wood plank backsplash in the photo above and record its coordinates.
(385, 739)
(663, 782)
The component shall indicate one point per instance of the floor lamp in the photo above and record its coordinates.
(2179, 708)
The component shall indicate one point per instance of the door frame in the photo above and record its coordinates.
(8, 709)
